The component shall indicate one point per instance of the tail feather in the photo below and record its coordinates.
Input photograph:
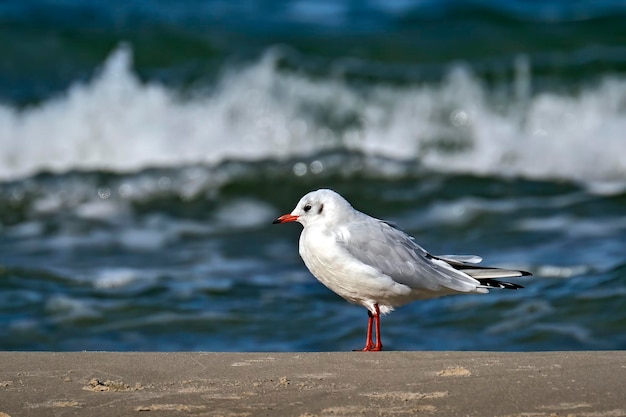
(487, 276)
(490, 273)
(464, 259)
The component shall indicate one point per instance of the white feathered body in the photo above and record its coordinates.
(368, 262)
(325, 252)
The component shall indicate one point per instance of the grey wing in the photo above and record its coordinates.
(395, 254)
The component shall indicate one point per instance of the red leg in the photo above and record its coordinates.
(369, 343)
(379, 343)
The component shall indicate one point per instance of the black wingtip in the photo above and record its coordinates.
(494, 283)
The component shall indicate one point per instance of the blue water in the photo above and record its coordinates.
(145, 148)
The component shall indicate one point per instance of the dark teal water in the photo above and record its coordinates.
(145, 148)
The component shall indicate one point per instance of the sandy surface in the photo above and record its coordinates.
(551, 384)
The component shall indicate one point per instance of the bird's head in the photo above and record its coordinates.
(321, 205)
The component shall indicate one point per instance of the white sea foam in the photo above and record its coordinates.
(116, 122)
(115, 277)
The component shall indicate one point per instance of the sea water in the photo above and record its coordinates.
(146, 147)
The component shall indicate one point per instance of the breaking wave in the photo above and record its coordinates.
(117, 123)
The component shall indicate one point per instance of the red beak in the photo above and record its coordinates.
(285, 218)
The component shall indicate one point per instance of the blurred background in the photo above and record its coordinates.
(146, 146)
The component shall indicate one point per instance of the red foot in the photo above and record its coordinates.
(370, 349)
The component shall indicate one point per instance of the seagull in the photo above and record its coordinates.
(371, 263)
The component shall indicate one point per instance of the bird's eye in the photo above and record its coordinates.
(307, 207)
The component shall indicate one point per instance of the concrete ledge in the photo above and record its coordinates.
(313, 384)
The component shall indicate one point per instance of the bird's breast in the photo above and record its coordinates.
(321, 255)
